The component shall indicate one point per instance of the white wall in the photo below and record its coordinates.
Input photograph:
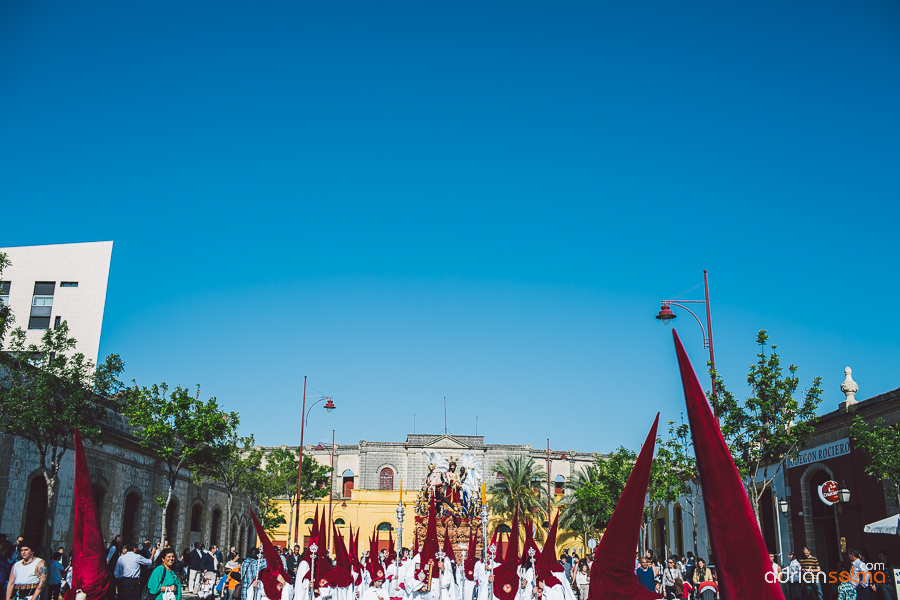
(81, 307)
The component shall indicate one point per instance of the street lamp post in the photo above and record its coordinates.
(666, 315)
(304, 416)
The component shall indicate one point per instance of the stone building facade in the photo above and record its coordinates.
(371, 465)
(127, 482)
(367, 477)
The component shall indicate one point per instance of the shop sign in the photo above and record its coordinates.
(819, 453)
(828, 492)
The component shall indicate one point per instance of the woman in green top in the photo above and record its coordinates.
(163, 578)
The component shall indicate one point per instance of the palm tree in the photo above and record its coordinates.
(521, 483)
(579, 519)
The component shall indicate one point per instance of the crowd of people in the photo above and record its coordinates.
(142, 571)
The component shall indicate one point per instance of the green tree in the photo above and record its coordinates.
(672, 472)
(771, 425)
(48, 390)
(679, 451)
(234, 464)
(880, 441)
(521, 484)
(595, 492)
(6, 315)
(263, 489)
(281, 467)
(181, 430)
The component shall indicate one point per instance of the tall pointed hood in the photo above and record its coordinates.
(471, 554)
(314, 529)
(741, 557)
(274, 568)
(545, 566)
(339, 575)
(89, 570)
(376, 571)
(392, 550)
(612, 572)
(430, 545)
(506, 576)
(448, 545)
(354, 557)
(525, 561)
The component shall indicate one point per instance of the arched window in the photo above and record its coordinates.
(558, 487)
(196, 514)
(216, 524)
(308, 522)
(385, 526)
(386, 481)
(347, 487)
(339, 521)
(130, 517)
(36, 512)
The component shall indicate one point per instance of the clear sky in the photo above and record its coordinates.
(483, 201)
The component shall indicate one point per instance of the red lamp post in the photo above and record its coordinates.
(304, 414)
(666, 315)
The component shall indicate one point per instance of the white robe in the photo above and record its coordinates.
(301, 586)
(485, 587)
(526, 592)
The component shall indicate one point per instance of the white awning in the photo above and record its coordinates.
(889, 525)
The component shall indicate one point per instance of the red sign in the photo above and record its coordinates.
(828, 492)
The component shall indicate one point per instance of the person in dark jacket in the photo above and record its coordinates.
(195, 571)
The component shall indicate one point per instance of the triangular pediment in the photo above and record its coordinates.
(446, 441)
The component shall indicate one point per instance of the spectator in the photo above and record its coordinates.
(646, 576)
(250, 569)
(6, 563)
(860, 576)
(293, 561)
(28, 576)
(128, 572)
(672, 584)
(885, 591)
(220, 562)
(195, 567)
(776, 568)
(63, 559)
(795, 589)
(54, 575)
(701, 573)
(691, 565)
(207, 564)
(582, 580)
(163, 579)
(566, 561)
(809, 566)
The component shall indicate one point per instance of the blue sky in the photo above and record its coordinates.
(484, 201)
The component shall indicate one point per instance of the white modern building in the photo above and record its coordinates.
(46, 285)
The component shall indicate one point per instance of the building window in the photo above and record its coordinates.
(386, 481)
(558, 487)
(56, 321)
(4, 293)
(347, 488)
(41, 305)
(69, 284)
(385, 526)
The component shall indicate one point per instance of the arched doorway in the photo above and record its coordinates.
(130, 517)
(347, 487)
(215, 526)
(36, 513)
(678, 528)
(824, 524)
(172, 523)
(233, 540)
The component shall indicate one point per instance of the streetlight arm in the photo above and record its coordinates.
(693, 314)
(306, 418)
